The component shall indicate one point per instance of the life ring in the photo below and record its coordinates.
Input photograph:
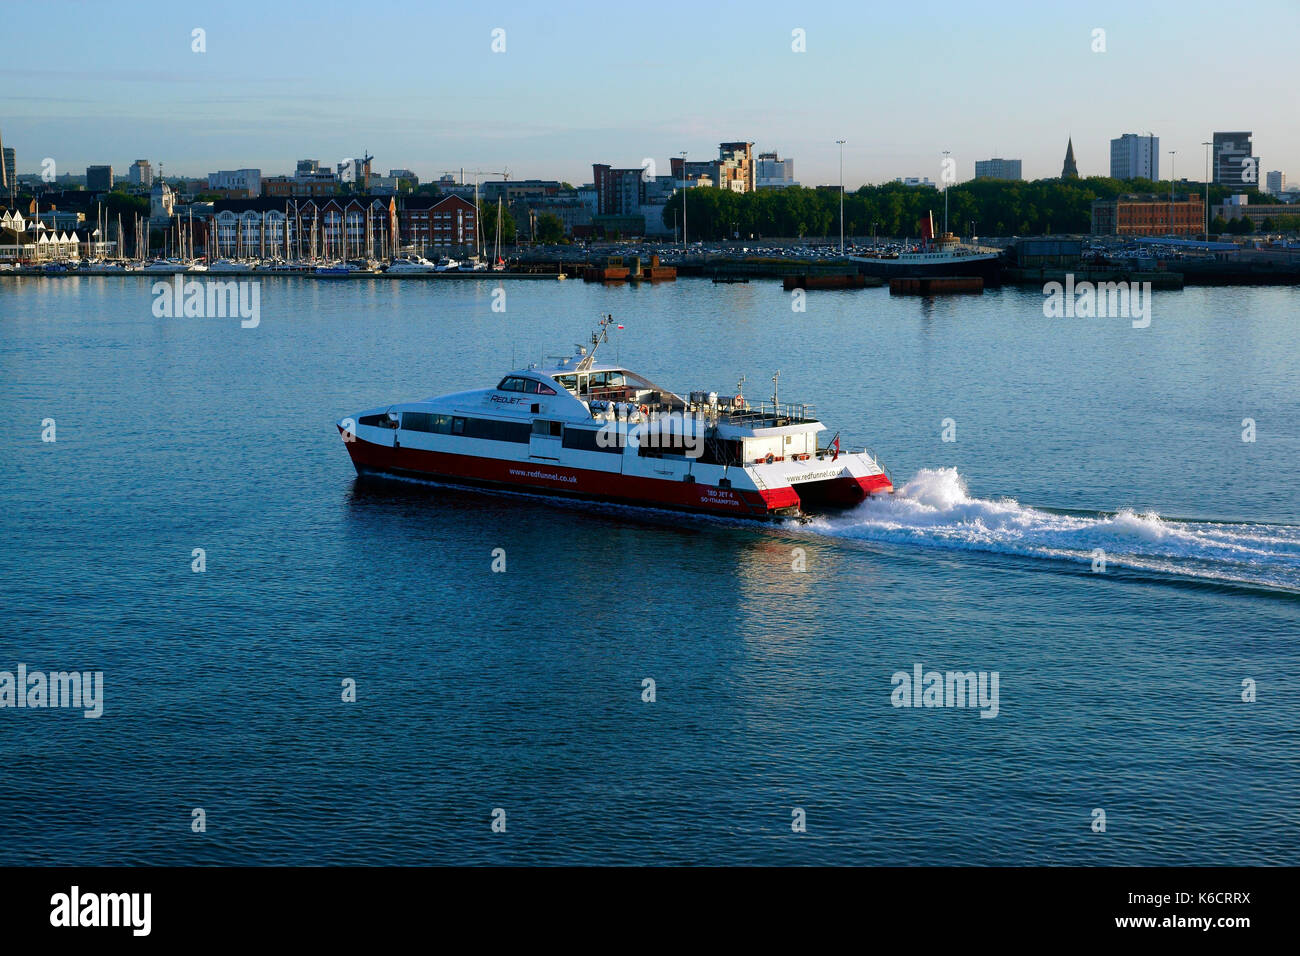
(770, 458)
(644, 410)
(738, 401)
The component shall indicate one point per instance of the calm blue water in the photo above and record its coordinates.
(1118, 690)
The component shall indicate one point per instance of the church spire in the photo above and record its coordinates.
(1069, 170)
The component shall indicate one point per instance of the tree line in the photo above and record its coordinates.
(980, 206)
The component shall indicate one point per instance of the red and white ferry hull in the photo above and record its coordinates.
(836, 483)
(549, 478)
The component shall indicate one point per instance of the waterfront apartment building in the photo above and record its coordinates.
(1148, 216)
(735, 169)
(453, 224)
(350, 225)
(441, 223)
(619, 192)
(238, 183)
(774, 172)
(99, 179)
(1135, 157)
(1275, 183)
(997, 169)
(1234, 164)
(916, 181)
(140, 174)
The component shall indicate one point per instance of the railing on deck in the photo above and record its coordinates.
(768, 413)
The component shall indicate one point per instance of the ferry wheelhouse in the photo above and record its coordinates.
(603, 432)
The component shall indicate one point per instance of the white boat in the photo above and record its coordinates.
(165, 265)
(606, 433)
(473, 264)
(229, 267)
(932, 257)
(446, 264)
(413, 265)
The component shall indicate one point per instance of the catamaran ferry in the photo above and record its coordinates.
(602, 432)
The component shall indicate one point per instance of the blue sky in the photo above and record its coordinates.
(418, 85)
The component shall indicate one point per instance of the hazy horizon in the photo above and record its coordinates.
(421, 88)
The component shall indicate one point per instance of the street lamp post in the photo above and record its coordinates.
(1207, 144)
(841, 142)
(685, 183)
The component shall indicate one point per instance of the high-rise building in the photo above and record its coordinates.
(1233, 163)
(10, 172)
(997, 169)
(619, 192)
(1275, 183)
(1069, 170)
(99, 179)
(774, 172)
(140, 174)
(735, 167)
(1135, 157)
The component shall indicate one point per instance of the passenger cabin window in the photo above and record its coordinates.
(570, 382)
(516, 383)
(426, 422)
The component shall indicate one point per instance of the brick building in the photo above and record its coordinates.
(1148, 216)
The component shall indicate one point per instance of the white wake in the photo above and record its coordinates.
(935, 509)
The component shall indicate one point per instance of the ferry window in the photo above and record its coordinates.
(568, 381)
(494, 430)
(544, 389)
(417, 421)
(458, 426)
(588, 439)
(513, 383)
(541, 427)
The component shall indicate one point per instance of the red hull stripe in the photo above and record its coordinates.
(549, 478)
